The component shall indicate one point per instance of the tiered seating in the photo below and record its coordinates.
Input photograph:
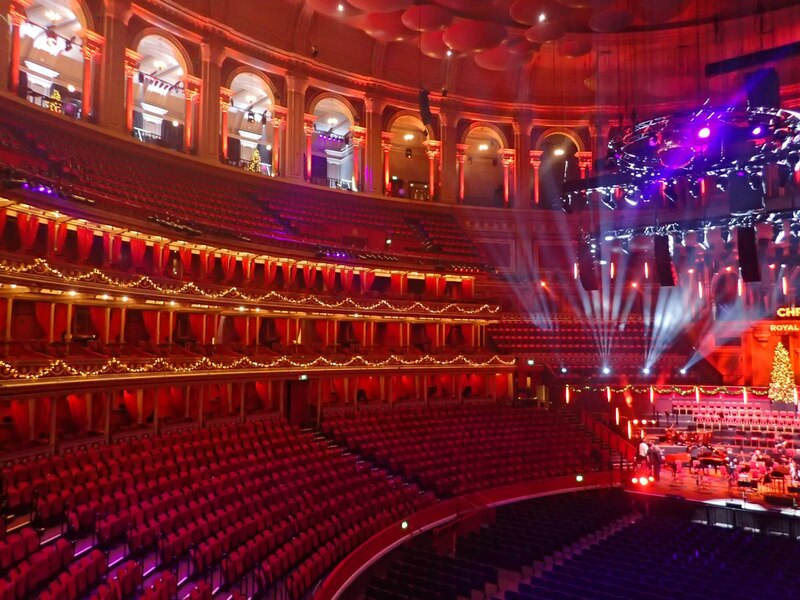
(460, 449)
(668, 556)
(521, 534)
(577, 343)
(230, 496)
(184, 197)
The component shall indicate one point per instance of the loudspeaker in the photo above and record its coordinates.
(665, 270)
(587, 268)
(746, 244)
(425, 107)
(763, 88)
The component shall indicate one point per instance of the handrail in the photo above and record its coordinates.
(447, 511)
(608, 436)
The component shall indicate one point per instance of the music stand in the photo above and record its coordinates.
(746, 486)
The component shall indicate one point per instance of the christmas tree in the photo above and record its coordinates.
(255, 162)
(781, 387)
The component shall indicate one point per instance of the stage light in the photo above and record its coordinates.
(404, 525)
(340, 8)
(388, 241)
(634, 480)
(542, 17)
(704, 133)
(683, 371)
(558, 152)
(543, 284)
(531, 362)
(608, 237)
(636, 421)
(563, 369)
(646, 370)
(579, 478)
(642, 480)
(606, 371)
(757, 130)
(449, 53)
(651, 479)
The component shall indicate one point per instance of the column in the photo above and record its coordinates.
(92, 48)
(461, 159)
(278, 133)
(17, 18)
(432, 150)
(373, 156)
(359, 139)
(536, 162)
(132, 60)
(225, 96)
(447, 179)
(212, 54)
(308, 130)
(293, 165)
(584, 163)
(111, 108)
(522, 142)
(386, 148)
(191, 92)
(507, 158)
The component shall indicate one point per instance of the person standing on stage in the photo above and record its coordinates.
(654, 457)
(641, 457)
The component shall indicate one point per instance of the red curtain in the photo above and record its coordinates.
(196, 324)
(397, 283)
(281, 327)
(320, 325)
(97, 315)
(112, 244)
(18, 411)
(430, 333)
(56, 234)
(150, 318)
(347, 279)
(359, 333)
(185, 255)
(137, 253)
(262, 390)
(240, 326)
(27, 225)
(85, 240)
(309, 275)
(393, 334)
(329, 278)
(60, 323)
(367, 279)
(270, 272)
(228, 266)
(3, 312)
(468, 288)
(248, 264)
(78, 410)
(131, 404)
(207, 261)
(3, 216)
(288, 274)
(165, 328)
(41, 417)
(42, 312)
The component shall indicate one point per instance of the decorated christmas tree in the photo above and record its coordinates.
(255, 162)
(781, 387)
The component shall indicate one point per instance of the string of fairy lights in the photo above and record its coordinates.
(61, 368)
(697, 391)
(42, 267)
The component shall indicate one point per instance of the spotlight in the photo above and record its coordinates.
(704, 133)
(404, 525)
(646, 370)
(531, 362)
(608, 237)
(563, 369)
(606, 371)
(683, 371)
(579, 478)
(757, 130)
(642, 480)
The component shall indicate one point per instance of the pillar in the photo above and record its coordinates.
(432, 150)
(507, 160)
(372, 181)
(584, 163)
(108, 397)
(448, 121)
(132, 60)
(111, 107)
(522, 142)
(53, 420)
(278, 134)
(191, 92)
(242, 391)
(92, 48)
(359, 140)
(536, 163)
(155, 410)
(212, 55)
(295, 124)
(225, 96)
(17, 18)
(140, 405)
(386, 149)
(308, 131)
(461, 159)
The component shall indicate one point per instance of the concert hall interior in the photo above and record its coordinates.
(399, 299)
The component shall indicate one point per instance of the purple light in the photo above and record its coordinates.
(757, 130)
(41, 188)
(704, 133)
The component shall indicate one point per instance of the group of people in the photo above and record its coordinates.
(649, 457)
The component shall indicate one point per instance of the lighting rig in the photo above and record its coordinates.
(661, 159)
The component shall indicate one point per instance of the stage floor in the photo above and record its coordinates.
(713, 488)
